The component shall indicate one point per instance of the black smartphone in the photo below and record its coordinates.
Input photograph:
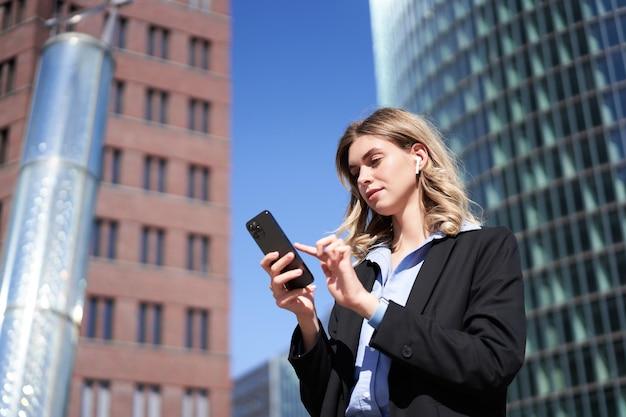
(267, 233)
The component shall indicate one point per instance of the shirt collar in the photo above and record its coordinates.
(380, 254)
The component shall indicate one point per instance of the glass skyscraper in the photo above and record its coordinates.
(532, 97)
(270, 390)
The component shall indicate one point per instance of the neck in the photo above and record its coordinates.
(409, 231)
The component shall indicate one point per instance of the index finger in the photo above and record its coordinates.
(321, 244)
(318, 249)
(309, 250)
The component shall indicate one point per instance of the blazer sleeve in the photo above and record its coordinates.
(471, 333)
(313, 369)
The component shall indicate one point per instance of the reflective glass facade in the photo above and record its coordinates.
(532, 96)
(270, 390)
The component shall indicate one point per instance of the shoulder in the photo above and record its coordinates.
(486, 233)
(367, 269)
(485, 238)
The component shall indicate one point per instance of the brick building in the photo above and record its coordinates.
(154, 335)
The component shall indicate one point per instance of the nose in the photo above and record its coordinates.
(365, 176)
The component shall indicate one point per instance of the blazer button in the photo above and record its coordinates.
(407, 351)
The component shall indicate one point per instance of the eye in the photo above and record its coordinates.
(374, 161)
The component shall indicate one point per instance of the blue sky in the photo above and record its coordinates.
(301, 71)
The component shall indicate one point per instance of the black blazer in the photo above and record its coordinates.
(455, 346)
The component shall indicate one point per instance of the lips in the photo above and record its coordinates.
(371, 194)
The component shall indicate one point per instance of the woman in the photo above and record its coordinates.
(430, 321)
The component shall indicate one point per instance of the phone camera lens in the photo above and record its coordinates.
(255, 229)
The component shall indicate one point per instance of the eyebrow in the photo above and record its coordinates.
(365, 156)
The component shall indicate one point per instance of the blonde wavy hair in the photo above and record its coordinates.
(444, 199)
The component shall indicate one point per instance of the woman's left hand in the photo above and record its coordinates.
(343, 284)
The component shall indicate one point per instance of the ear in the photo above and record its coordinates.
(420, 151)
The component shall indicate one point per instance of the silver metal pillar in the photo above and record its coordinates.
(45, 256)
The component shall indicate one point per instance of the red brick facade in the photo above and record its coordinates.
(190, 281)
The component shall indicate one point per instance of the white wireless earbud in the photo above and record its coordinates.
(418, 161)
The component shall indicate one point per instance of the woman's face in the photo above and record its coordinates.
(384, 174)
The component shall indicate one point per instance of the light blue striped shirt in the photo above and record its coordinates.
(370, 396)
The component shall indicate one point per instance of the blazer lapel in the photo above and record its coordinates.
(429, 274)
(367, 272)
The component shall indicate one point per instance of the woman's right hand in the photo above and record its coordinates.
(299, 301)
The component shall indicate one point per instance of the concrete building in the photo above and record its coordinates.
(154, 336)
(270, 390)
(532, 95)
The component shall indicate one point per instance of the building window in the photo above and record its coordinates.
(6, 14)
(99, 318)
(95, 399)
(119, 32)
(104, 238)
(1, 222)
(111, 165)
(199, 50)
(58, 7)
(152, 245)
(197, 329)
(198, 115)
(198, 182)
(198, 253)
(154, 169)
(7, 76)
(149, 323)
(4, 145)
(158, 40)
(196, 403)
(147, 401)
(63, 9)
(11, 13)
(117, 104)
(200, 4)
(72, 10)
(156, 106)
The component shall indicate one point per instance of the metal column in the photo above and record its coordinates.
(46, 251)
